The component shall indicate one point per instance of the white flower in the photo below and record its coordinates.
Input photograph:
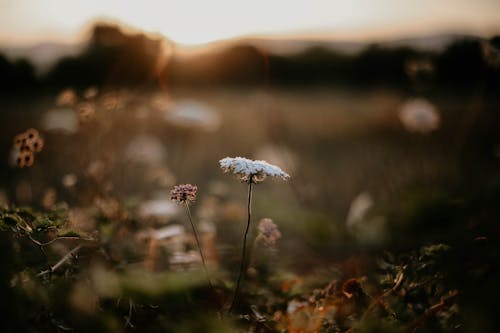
(250, 170)
(193, 114)
(160, 208)
(69, 180)
(63, 120)
(146, 149)
(367, 228)
(359, 208)
(419, 115)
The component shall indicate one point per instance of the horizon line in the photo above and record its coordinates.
(361, 36)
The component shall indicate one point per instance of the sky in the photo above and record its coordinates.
(193, 22)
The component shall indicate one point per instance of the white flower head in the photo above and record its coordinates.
(359, 209)
(251, 171)
(419, 115)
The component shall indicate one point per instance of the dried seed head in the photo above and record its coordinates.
(86, 111)
(20, 140)
(184, 193)
(251, 171)
(24, 149)
(25, 159)
(268, 232)
(90, 92)
(33, 140)
(38, 145)
(32, 134)
(112, 101)
(67, 97)
(24, 146)
(34, 145)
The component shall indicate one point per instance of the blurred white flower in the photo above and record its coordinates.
(169, 231)
(184, 258)
(69, 180)
(190, 113)
(60, 120)
(250, 170)
(158, 208)
(358, 209)
(419, 115)
(146, 149)
(366, 228)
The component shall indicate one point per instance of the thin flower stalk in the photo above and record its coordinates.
(243, 265)
(197, 238)
(185, 194)
(250, 172)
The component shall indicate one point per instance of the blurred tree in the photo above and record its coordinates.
(112, 58)
(16, 76)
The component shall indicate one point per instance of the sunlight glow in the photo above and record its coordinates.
(195, 22)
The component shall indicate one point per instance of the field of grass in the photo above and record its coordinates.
(382, 228)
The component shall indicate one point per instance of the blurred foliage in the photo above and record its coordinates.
(414, 290)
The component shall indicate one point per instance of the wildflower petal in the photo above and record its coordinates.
(247, 169)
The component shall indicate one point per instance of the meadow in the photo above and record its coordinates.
(366, 198)
(387, 223)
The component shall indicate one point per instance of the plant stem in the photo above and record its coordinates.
(188, 211)
(62, 261)
(128, 319)
(243, 254)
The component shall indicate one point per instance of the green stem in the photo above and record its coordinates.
(188, 211)
(243, 254)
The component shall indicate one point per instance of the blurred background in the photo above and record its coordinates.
(385, 114)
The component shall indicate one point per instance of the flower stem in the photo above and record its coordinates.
(188, 211)
(243, 254)
(61, 262)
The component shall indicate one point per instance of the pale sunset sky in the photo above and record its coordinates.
(196, 22)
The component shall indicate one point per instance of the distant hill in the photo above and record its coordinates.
(444, 60)
(112, 57)
(290, 45)
(44, 55)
